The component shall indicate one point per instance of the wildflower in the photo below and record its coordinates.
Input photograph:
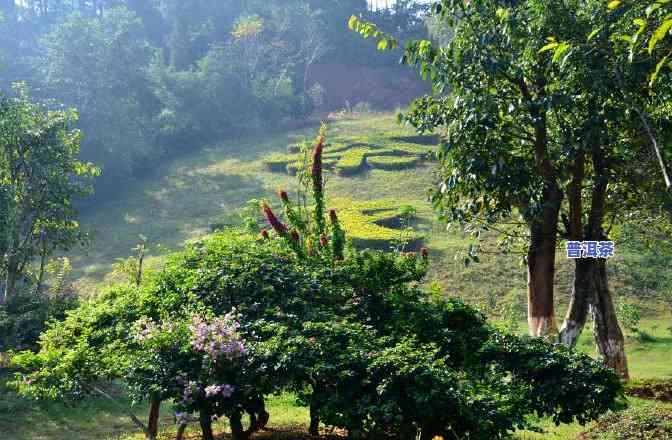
(276, 224)
(264, 234)
(317, 159)
(323, 241)
(424, 252)
(283, 196)
(146, 329)
(332, 216)
(218, 338)
(224, 391)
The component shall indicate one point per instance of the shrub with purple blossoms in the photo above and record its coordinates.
(218, 338)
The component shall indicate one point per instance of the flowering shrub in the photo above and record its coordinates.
(218, 338)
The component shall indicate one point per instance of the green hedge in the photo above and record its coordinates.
(352, 162)
(393, 162)
(354, 155)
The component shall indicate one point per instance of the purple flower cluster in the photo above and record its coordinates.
(218, 338)
(181, 418)
(147, 329)
(224, 390)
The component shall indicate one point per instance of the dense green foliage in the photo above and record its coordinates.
(26, 314)
(41, 178)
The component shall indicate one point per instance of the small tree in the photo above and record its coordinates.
(41, 178)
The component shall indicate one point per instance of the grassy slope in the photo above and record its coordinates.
(181, 198)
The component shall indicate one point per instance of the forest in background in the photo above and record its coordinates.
(152, 78)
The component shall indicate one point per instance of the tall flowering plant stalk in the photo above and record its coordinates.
(318, 185)
(292, 214)
(273, 221)
(314, 231)
(307, 231)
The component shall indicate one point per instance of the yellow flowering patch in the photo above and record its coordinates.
(373, 223)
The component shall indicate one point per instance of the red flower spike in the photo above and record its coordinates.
(283, 196)
(317, 159)
(424, 252)
(323, 241)
(332, 216)
(264, 234)
(276, 224)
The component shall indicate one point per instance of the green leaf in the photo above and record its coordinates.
(594, 33)
(352, 23)
(549, 46)
(659, 66)
(383, 44)
(659, 34)
(652, 8)
(614, 4)
(561, 49)
(626, 38)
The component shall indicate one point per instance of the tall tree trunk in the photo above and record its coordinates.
(608, 334)
(544, 226)
(541, 267)
(577, 312)
(153, 419)
(582, 294)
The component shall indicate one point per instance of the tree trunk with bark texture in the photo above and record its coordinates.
(608, 334)
(12, 277)
(582, 293)
(582, 290)
(543, 226)
(541, 270)
(153, 418)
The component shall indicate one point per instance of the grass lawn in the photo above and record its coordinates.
(181, 198)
